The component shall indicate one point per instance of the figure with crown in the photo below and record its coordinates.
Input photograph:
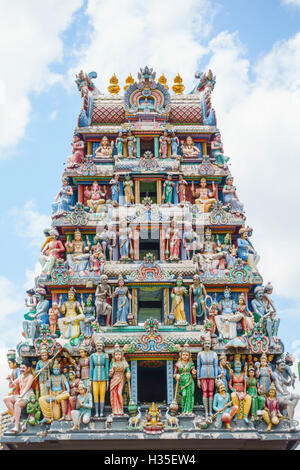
(204, 198)
(99, 377)
(118, 372)
(177, 295)
(69, 324)
(78, 255)
(54, 405)
(207, 373)
(123, 302)
(239, 396)
(184, 374)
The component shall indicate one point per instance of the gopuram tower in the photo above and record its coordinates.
(150, 320)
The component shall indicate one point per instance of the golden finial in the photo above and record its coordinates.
(114, 87)
(163, 81)
(178, 87)
(129, 81)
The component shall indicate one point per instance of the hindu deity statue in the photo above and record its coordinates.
(123, 302)
(108, 241)
(189, 150)
(89, 312)
(78, 255)
(248, 318)
(174, 144)
(172, 242)
(271, 412)
(103, 295)
(177, 295)
(83, 366)
(164, 140)
(245, 249)
(153, 418)
(69, 324)
(118, 372)
(54, 405)
(189, 240)
(168, 190)
(224, 370)
(265, 313)
(77, 152)
(115, 189)
(119, 143)
(43, 370)
(213, 310)
(128, 190)
(30, 323)
(209, 258)
(33, 410)
(15, 371)
(217, 151)
(228, 318)
(207, 373)
(221, 403)
(22, 387)
(125, 240)
(84, 404)
(97, 256)
(99, 366)
(184, 374)
(105, 149)
(54, 314)
(204, 198)
(131, 150)
(264, 375)
(96, 197)
(63, 201)
(257, 400)
(51, 252)
(181, 189)
(287, 401)
(42, 307)
(237, 385)
(229, 251)
(73, 383)
(198, 294)
(230, 196)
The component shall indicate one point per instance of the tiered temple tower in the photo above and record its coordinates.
(150, 306)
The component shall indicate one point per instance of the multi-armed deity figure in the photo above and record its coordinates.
(105, 149)
(209, 258)
(189, 150)
(204, 198)
(239, 396)
(95, 197)
(69, 324)
(54, 404)
(78, 255)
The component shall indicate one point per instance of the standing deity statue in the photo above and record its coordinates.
(69, 325)
(102, 295)
(239, 396)
(97, 257)
(173, 242)
(181, 189)
(189, 240)
(125, 240)
(264, 310)
(177, 295)
(248, 318)
(230, 197)
(77, 152)
(271, 413)
(119, 143)
(118, 372)
(96, 197)
(89, 312)
(204, 198)
(54, 405)
(189, 150)
(207, 373)
(73, 383)
(42, 307)
(115, 189)
(84, 404)
(30, 323)
(174, 144)
(198, 291)
(257, 400)
(51, 252)
(164, 140)
(123, 302)
(128, 190)
(264, 375)
(217, 151)
(168, 190)
(108, 241)
(63, 201)
(287, 401)
(105, 149)
(222, 405)
(78, 255)
(184, 374)
(246, 251)
(99, 377)
(224, 370)
(15, 371)
(83, 366)
(43, 370)
(131, 150)
(54, 314)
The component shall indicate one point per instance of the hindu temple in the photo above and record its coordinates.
(149, 320)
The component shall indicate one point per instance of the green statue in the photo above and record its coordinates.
(34, 411)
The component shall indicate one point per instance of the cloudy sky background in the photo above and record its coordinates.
(254, 50)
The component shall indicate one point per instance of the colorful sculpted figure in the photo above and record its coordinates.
(164, 140)
(246, 251)
(115, 189)
(63, 201)
(118, 372)
(228, 318)
(184, 374)
(69, 324)
(42, 307)
(33, 410)
(73, 383)
(128, 190)
(123, 302)
(229, 251)
(209, 258)
(213, 310)
(103, 295)
(189, 150)
(108, 241)
(131, 140)
(221, 405)
(15, 371)
(52, 251)
(174, 144)
(237, 385)
(168, 190)
(77, 156)
(204, 198)
(99, 365)
(181, 189)
(30, 323)
(43, 370)
(177, 295)
(198, 291)
(84, 404)
(119, 143)
(97, 257)
(105, 149)
(224, 370)
(287, 401)
(207, 373)
(248, 318)
(89, 312)
(153, 417)
(189, 240)
(83, 366)
(271, 320)
(173, 242)
(264, 375)
(96, 197)
(217, 151)
(271, 413)
(266, 314)
(54, 314)
(78, 255)
(23, 390)
(54, 405)
(257, 400)
(125, 240)
(230, 196)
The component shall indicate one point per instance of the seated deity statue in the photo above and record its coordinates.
(209, 259)
(51, 252)
(69, 324)
(229, 317)
(217, 151)
(230, 196)
(104, 150)
(189, 150)
(77, 152)
(78, 255)
(204, 198)
(63, 201)
(246, 252)
(96, 197)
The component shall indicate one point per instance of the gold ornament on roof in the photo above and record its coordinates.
(114, 85)
(163, 81)
(178, 87)
(129, 81)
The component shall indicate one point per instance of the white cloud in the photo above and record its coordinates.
(29, 223)
(291, 2)
(53, 115)
(30, 42)
(10, 300)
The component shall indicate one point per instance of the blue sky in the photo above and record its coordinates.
(254, 49)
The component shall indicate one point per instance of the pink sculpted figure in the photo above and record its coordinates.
(181, 189)
(77, 152)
